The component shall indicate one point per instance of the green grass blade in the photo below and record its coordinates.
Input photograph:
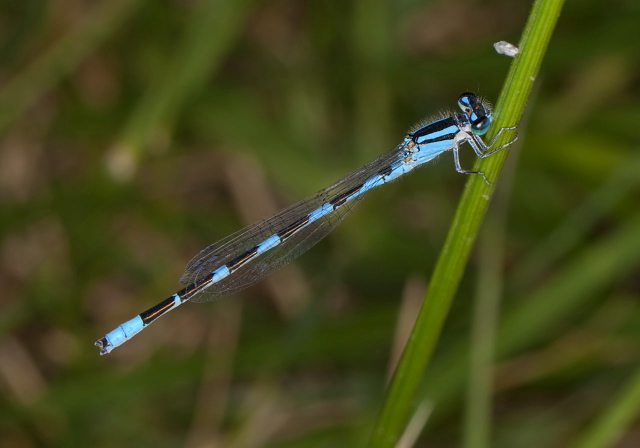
(463, 231)
(616, 418)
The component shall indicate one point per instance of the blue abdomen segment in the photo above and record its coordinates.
(268, 244)
(129, 329)
(121, 334)
(318, 213)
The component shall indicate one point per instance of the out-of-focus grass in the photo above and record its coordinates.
(306, 93)
(53, 61)
(210, 30)
(618, 415)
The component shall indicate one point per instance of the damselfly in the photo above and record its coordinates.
(255, 252)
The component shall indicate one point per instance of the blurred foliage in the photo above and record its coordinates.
(133, 134)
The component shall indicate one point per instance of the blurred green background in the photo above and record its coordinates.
(133, 134)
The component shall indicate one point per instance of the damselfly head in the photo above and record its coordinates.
(478, 111)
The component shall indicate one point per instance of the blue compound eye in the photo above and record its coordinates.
(467, 102)
(481, 125)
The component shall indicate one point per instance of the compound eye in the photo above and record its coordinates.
(481, 125)
(466, 102)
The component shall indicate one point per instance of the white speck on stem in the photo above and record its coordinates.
(506, 48)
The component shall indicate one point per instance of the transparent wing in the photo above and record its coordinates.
(256, 269)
